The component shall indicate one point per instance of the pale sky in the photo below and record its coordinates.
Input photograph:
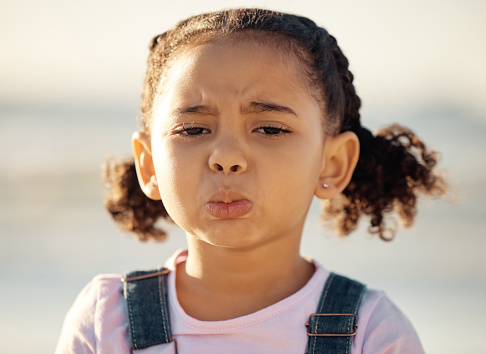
(402, 53)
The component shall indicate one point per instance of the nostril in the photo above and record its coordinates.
(220, 168)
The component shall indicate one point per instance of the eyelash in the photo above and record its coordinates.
(187, 130)
(273, 130)
(270, 130)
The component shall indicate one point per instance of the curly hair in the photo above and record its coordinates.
(394, 166)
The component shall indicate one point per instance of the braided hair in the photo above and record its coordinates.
(394, 166)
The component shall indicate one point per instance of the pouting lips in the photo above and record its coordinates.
(230, 210)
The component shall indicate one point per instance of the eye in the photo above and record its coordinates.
(273, 130)
(192, 131)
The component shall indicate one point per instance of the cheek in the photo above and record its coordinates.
(295, 170)
(305, 156)
(176, 172)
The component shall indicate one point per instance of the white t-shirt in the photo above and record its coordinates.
(97, 323)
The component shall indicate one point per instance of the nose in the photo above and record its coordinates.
(228, 157)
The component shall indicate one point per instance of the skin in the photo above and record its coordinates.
(236, 153)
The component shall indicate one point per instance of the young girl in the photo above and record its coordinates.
(247, 115)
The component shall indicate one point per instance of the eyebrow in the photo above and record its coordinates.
(253, 107)
(260, 107)
(194, 110)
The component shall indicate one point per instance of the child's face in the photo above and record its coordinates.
(237, 144)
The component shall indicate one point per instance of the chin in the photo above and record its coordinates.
(230, 239)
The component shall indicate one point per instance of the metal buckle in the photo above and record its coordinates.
(355, 325)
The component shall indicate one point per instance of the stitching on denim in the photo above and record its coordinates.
(162, 308)
(348, 338)
(355, 311)
(328, 285)
(321, 305)
(356, 308)
(131, 317)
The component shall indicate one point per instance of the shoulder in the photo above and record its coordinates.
(101, 287)
(383, 327)
(98, 310)
(103, 293)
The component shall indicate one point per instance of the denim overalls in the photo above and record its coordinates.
(330, 329)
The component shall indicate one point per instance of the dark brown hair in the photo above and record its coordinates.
(394, 166)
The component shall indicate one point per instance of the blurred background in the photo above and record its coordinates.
(70, 80)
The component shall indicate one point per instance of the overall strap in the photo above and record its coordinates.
(332, 327)
(148, 310)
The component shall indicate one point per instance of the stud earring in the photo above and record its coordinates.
(325, 185)
(153, 182)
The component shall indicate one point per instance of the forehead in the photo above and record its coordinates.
(242, 59)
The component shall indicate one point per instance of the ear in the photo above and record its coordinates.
(341, 154)
(142, 152)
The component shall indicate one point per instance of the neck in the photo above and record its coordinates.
(217, 283)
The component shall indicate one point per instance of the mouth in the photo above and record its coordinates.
(228, 205)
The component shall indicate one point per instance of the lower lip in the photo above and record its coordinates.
(231, 210)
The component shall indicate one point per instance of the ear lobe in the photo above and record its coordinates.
(144, 165)
(341, 154)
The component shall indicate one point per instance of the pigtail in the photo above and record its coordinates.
(395, 167)
(131, 209)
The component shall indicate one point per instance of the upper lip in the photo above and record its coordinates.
(227, 196)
